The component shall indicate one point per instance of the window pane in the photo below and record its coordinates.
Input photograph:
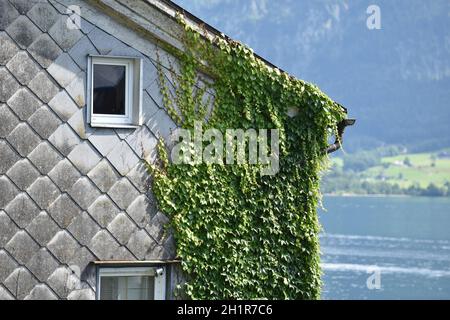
(127, 288)
(109, 288)
(109, 89)
(141, 288)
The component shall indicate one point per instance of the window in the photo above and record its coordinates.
(139, 283)
(115, 91)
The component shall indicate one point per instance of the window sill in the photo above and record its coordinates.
(114, 125)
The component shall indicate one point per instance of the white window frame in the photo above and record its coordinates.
(158, 272)
(133, 93)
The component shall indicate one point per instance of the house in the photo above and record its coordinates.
(80, 111)
(74, 191)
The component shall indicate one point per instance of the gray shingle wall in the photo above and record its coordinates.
(69, 194)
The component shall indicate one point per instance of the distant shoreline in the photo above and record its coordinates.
(376, 195)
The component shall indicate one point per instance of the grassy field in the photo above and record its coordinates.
(409, 169)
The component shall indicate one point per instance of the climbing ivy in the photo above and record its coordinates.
(240, 234)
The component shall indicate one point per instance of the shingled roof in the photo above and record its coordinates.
(71, 194)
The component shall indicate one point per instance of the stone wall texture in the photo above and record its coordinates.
(70, 194)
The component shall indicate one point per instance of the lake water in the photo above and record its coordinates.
(386, 248)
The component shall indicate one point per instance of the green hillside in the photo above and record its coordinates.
(406, 173)
(422, 169)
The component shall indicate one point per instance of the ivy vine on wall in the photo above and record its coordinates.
(240, 234)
